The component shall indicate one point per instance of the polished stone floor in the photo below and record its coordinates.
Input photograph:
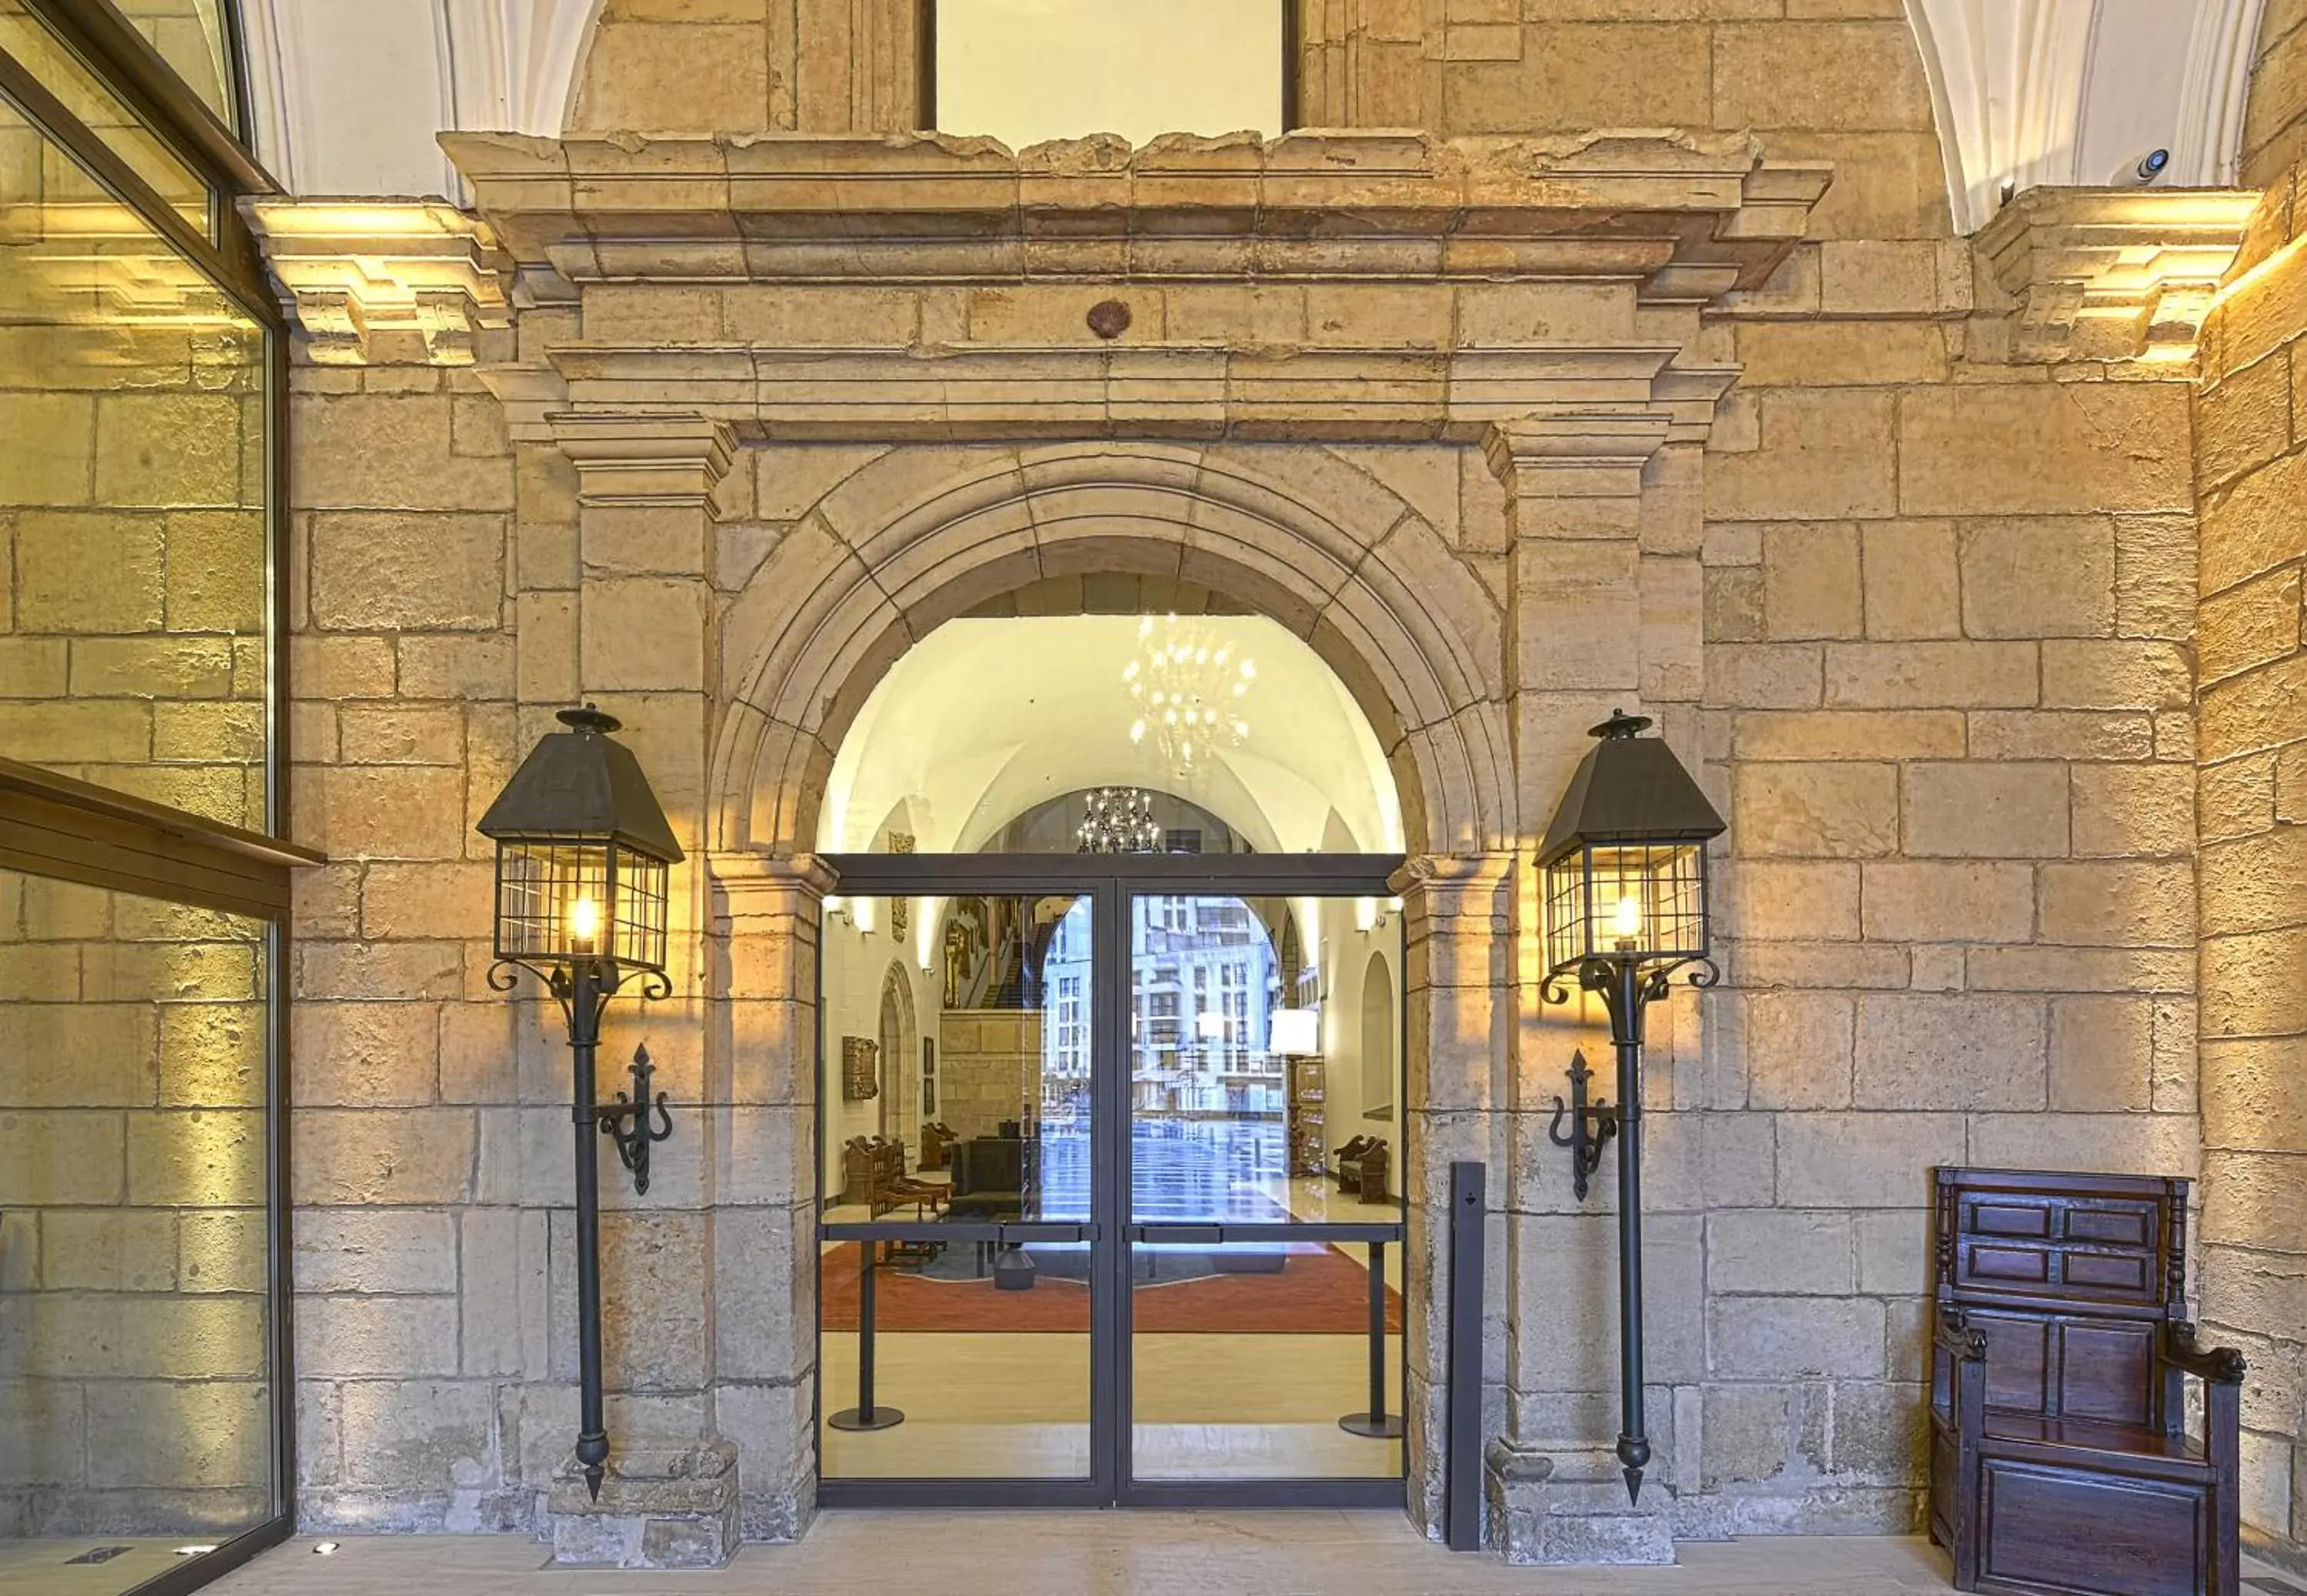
(1110, 1554)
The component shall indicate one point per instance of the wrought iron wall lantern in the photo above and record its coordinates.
(583, 854)
(1623, 867)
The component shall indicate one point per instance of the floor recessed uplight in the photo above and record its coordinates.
(326, 1549)
(194, 1551)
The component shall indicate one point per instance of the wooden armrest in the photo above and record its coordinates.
(2220, 1365)
(1954, 1336)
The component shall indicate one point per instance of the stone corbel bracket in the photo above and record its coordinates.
(377, 283)
(2112, 274)
(1686, 215)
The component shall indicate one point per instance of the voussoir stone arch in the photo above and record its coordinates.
(920, 535)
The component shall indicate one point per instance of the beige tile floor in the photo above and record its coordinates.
(1110, 1554)
(1208, 1407)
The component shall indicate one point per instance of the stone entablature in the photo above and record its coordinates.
(1686, 214)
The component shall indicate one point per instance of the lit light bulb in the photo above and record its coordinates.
(1626, 920)
(584, 923)
(1137, 731)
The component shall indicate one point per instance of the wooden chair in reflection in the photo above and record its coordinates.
(873, 1174)
(2060, 1455)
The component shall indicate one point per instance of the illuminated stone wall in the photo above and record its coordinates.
(2252, 471)
(1917, 595)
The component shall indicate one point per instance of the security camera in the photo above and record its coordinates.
(2149, 169)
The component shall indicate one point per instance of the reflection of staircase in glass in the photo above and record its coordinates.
(1004, 973)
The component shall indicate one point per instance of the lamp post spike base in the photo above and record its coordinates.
(593, 1473)
(1634, 1456)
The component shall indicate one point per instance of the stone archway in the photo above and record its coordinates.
(920, 536)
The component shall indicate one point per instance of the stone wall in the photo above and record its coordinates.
(2252, 465)
(1834, 79)
(2275, 120)
(133, 1242)
(1916, 596)
(1948, 598)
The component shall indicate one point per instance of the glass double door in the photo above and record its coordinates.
(1110, 1183)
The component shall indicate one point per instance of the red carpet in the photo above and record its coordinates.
(1317, 1293)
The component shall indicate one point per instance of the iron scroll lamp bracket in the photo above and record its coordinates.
(1627, 986)
(626, 1122)
(1591, 1126)
(583, 987)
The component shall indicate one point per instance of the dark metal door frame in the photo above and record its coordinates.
(1108, 882)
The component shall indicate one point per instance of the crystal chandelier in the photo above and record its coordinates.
(1188, 694)
(1120, 820)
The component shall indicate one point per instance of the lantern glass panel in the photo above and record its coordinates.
(564, 899)
(1608, 900)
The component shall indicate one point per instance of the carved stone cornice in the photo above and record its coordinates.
(374, 282)
(1687, 216)
(2112, 274)
(644, 458)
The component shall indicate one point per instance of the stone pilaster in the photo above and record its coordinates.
(762, 944)
(1458, 1006)
(1605, 613)
(619, 610)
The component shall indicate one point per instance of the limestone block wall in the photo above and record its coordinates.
(2274, 118)
(1839, 79)
(1949, 607)
(423, 1254)
(2252, 468)
(134, 1238)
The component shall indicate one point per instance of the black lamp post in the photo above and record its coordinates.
(583, 851)
(1624, 864)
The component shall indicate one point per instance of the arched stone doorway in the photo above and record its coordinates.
(1206, 1319)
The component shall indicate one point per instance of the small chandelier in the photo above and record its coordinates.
(1188, 694)
(1120, 820)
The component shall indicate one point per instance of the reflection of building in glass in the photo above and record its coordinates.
(1204, 989)
(1205, 982)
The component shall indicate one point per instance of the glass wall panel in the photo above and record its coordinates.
(1263, 1059)
(136, 1407)
(190, 36)
(957, 1039)
(103, 114)
(957, 1092)
(980, 1361)
(1025, 70)
(134, 473)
